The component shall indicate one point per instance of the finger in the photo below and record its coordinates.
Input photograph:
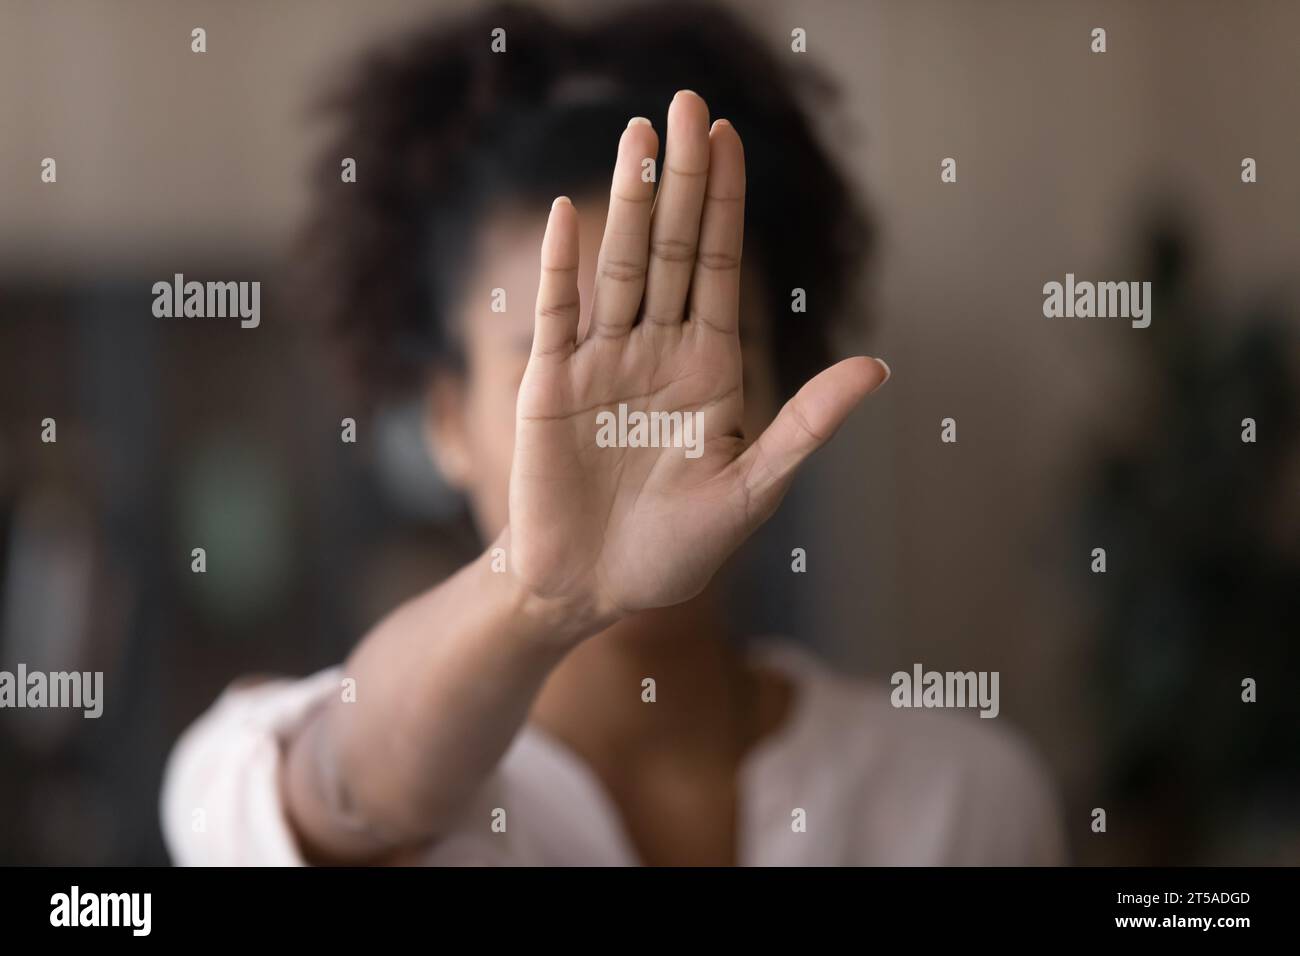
(558, 304)
(675, 225)
(621, 268)
(805, 424)
(715, 288)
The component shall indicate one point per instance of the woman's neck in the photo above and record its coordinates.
(709, 705)
(671, 767)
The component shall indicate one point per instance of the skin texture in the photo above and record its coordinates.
(609, 551)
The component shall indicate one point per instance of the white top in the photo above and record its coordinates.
(878, 786)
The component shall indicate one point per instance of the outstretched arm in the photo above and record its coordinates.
(595, 531)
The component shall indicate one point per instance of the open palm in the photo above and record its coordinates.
(627, 528)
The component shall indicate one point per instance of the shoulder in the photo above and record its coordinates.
(927, 786)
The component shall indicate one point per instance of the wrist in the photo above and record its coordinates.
(545, 622)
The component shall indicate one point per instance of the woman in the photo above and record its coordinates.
(574, 696)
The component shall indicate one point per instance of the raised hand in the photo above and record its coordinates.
(620, 529)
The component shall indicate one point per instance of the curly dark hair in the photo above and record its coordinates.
(442, 128)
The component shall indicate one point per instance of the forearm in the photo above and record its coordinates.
(442, 686)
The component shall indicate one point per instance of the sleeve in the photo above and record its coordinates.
(1045, 842)
(221, 803)
(1013, 814)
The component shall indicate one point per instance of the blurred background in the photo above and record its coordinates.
(1072, 435)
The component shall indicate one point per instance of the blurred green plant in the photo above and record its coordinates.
(1202, 533)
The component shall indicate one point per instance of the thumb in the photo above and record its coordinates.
(805, 424)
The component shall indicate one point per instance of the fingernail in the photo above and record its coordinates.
(885, 366)
(637, 121)
(564, 200)
(717, 123)
(687, 93)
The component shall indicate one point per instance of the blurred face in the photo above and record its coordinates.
(471, 416)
